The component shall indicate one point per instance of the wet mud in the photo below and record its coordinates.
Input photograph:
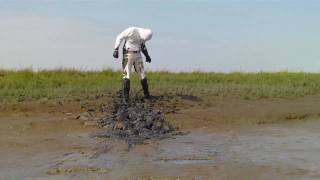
(136, 121)
(59, 146)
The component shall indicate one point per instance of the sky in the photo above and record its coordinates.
(189, 35)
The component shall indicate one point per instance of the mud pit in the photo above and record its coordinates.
(135, 121)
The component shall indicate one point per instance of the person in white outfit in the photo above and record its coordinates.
(134, 43)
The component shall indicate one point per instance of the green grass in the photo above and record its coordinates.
(26, 84)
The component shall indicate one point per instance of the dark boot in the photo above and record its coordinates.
(126, 89)
(144, 84)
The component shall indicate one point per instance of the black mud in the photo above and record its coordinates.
(138, 120)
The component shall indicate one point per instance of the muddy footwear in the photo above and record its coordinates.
(126, 89)
(144, 84)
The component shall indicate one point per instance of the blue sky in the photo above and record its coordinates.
(224, 36)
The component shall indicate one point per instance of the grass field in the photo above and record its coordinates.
(27, 84)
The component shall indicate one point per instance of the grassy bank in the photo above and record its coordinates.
(26, 84)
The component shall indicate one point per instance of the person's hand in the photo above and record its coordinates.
(116, 53)
(148, 59)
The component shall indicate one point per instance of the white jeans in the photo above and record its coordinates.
(133, 59)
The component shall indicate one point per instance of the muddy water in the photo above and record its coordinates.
(36, 151)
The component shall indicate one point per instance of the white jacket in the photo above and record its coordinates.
(134, 37)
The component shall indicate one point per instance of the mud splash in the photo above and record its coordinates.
(136, 121)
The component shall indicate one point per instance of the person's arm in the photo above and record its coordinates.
(145, 52)
(119, 39)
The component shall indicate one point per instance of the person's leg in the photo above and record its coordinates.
(127, 66)
(140, 69)
(144, 84)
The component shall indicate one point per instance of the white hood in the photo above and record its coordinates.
(145, 34)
